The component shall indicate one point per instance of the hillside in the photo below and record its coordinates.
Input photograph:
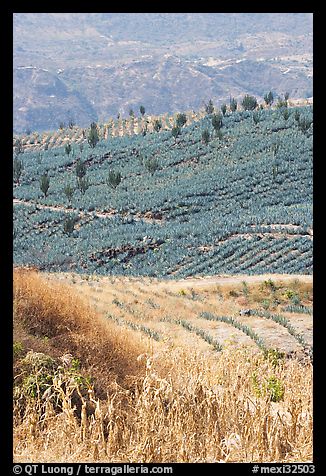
(116, 369)
(98, 65)
(240, 204)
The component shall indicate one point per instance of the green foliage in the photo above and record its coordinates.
(18, 349)
(18, 168)
(152, 164)
(136, 327)
(93, 136)
(275, 389)
(256, 117)
(181, 120)
(217, 121)
(176, 131)
(80, 169)
(71, 123)
(274, 356)
(297, 115)
(298, 308)
(83, 184)
(209, 107)
(286, 113)
(249, 103)
(69, 225)
(304, 124)
(68, 149)
(233, 104)
(114, 178)
(283, 321)
(269, 284)
(281, 103)
(289, 294)
(18, 147)
(238, 325)
(266, 303)
(271, 387)
(69, 191)
(269, 98)
(245, 289)
(205, 136)
(157, 126)
(44, 183)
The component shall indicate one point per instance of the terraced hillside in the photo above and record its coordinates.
(114, 127)
(234, 202)
(120, 369)
(208, 315)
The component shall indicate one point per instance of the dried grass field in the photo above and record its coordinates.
(122, 369)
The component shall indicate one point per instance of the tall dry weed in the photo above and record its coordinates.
(179, 407)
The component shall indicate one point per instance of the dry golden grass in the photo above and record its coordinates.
(55, 321)
(163, 403)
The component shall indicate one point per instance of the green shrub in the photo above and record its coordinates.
(275, 389)
(17, 349)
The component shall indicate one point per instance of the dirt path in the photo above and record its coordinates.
(61, 208)
(279, 233)
(234, 280)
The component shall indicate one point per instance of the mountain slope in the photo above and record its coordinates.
(240, 204)
(167, 62)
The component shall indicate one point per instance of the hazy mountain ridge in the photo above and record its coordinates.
(102, 64)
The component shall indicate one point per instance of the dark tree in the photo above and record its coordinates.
(131, 113)
(93, 136)
(68, 149)
(45, 184)
(176, 131)
(304, 124)
(142, 110)
(223, 109)
(71, 123)
(69, 192)
(181, 120)
(297, 115)
(269, 98)
(205, 136)
(256, 117)
(18, 168)
(19, 148)
(62, 125)
(219, 134)
(114, 179)
(249, 103)
(233, 104)
(217, 121)
(157, 125)
(209, 107)
(286, 113)
(80, 169)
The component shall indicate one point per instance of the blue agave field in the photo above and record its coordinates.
(239, 204)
